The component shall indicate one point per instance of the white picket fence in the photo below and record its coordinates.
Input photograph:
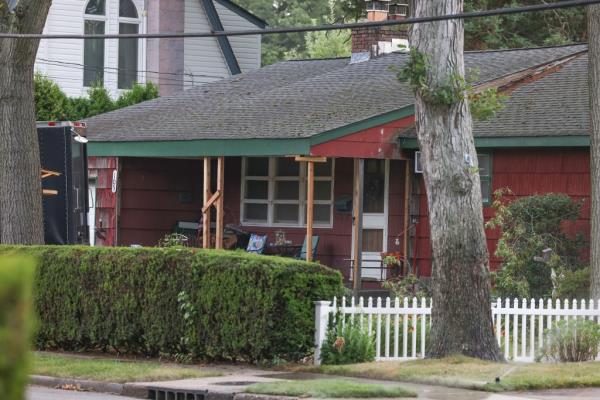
(400, 326)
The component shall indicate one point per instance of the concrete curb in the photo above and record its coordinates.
(92, 386)
(137, 390)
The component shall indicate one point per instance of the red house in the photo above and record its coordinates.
(267, 127)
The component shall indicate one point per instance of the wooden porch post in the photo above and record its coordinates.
(310, 195)
(206, 210)
(220, 202)
(357, 211)
(310, 199)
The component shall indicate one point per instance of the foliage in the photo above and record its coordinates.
(530, 225)
(347, 343)
(173, 240)
(573, 284)
(52, 104)
(554, 27)
(330, 389)
(572, 341)
(16, 325)
(282, 13)
(328, 44)
(113, 369)
(248, 307)
(483, 105)
(409, 286)
(486, 104)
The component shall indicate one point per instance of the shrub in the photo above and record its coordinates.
(52, 104)
(16, 276)
(242, 306)
(573, 284)
(572, 341)
(347, 344)
(530, 225)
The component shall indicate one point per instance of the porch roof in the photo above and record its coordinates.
(288, 107)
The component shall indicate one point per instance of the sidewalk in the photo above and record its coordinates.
(235, 380)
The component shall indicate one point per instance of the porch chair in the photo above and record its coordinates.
(302, 254)
(257, 244)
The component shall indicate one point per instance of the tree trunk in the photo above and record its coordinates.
(461, 316)
(593, 19)
(21, 219)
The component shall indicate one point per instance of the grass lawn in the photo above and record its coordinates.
(329, 388)
(474, 374)
(111, 370)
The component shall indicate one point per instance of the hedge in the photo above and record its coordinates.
(208, 304)
(16, 323)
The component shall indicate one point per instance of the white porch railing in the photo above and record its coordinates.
(400, 327)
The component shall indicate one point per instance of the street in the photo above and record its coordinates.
(42, 393)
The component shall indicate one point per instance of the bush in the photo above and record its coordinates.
(530, 225)
(16, 276)
(52, 104)
(573, 284)
(572, 341)
(243, 306)
(347, 344)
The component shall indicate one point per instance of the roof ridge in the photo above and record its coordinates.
(525, 48)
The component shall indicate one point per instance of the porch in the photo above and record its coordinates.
(271, 196)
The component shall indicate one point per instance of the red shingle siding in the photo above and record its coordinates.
(526, 172)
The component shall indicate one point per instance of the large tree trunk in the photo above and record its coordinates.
(21, 219)
(593, 14)
(461, 317)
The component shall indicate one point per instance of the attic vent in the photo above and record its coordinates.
(418, 165)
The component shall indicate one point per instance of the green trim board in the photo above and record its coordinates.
(201, 148)
(515, 142)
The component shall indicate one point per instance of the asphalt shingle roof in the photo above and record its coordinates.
(297, 99)
(556, 105)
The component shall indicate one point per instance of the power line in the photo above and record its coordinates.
(312, 28)
(82, 66)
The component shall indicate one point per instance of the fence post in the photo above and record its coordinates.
(322, 309)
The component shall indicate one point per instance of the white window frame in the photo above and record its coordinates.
(93, 17)
(133, 21)
(271, 202)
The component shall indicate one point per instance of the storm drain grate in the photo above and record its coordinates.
(173, 394)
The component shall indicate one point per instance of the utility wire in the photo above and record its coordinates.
(78, 65)
(312, 28)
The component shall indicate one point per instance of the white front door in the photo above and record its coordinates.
(375, 218)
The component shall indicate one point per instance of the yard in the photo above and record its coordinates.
(471, 373)
(113, 370)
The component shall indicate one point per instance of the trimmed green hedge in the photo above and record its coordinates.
(16, 325)
(235, 306)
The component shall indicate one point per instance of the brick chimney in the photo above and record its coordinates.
(378, 40)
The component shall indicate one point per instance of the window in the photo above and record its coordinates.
(274, 192)
(128, 48)
(485, 175)
(93, 49)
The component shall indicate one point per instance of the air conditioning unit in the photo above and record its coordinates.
(418, 164)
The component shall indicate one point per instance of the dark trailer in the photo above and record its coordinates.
(64, 181)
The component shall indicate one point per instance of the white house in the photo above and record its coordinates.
(174, 64)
